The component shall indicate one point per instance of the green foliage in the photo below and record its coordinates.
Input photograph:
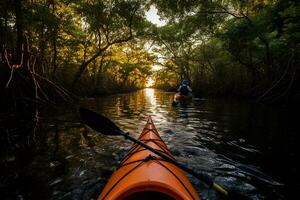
(233, 47)
(223, 47)
(70, 40)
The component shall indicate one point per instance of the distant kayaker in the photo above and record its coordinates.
(184, 89)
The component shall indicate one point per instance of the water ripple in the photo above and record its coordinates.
(209, 136)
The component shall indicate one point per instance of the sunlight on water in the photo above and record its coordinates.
(118, 106)
(154, 107)
(209, 136)
(150, 97)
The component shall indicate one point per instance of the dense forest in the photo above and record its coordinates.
(58, 51)
(55, 50)
(241, 48)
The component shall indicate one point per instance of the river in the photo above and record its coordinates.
(247, 147)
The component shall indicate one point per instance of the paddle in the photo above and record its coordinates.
(105, 126)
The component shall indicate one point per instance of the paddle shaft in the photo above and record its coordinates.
(105, 126)
(203, 177)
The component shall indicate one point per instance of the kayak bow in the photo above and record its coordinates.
(154, 182)
(144, 175)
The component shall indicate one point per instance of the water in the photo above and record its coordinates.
(249, 148)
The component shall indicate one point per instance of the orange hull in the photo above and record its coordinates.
(182, 98)
(144, 175)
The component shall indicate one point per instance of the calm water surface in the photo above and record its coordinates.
(246, 147)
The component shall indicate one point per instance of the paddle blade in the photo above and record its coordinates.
(99, 122)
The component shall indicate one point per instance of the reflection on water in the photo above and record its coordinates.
(245, 147)
(149, 92)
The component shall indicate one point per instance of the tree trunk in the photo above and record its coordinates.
(83, 67)
(54, 43)
(19, 26)
(54, 59)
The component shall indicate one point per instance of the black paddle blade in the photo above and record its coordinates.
(99, 122)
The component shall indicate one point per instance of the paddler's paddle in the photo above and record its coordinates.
(105, 126)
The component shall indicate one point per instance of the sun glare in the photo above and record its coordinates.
(151, 15)
(150, 96)
(156, 67)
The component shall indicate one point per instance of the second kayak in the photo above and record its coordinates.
(145, 175)
(182, 98)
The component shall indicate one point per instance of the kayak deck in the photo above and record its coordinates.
(145, 175)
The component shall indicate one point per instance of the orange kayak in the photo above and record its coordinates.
(182, 98)
(144, 175)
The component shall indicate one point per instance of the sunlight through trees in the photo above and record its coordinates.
(51, 49)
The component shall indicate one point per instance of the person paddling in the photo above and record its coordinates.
(183, 95)
(184, 89)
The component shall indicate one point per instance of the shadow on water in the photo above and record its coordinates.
(247, 147)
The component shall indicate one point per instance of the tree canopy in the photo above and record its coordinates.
(231, 47)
